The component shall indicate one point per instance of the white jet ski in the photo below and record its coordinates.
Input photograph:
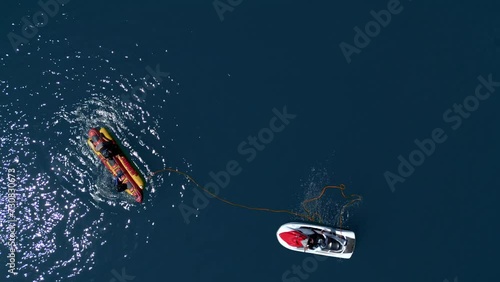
(317, 239)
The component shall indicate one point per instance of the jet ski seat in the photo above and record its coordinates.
(334, 245)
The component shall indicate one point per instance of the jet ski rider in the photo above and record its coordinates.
(320, 241)
(316, 240)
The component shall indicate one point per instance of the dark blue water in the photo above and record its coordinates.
(352, 121)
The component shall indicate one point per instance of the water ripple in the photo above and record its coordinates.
(66, 206)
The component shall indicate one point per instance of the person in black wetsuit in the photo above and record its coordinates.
(108, 149)
(106, 152)
(118, 182)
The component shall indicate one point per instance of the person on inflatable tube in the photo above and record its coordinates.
(118, 182)
(108, 149)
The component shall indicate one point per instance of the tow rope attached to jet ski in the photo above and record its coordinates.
(308, 215)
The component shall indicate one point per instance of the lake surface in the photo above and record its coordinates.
(403, 105)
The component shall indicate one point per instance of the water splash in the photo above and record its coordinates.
(329, 208)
